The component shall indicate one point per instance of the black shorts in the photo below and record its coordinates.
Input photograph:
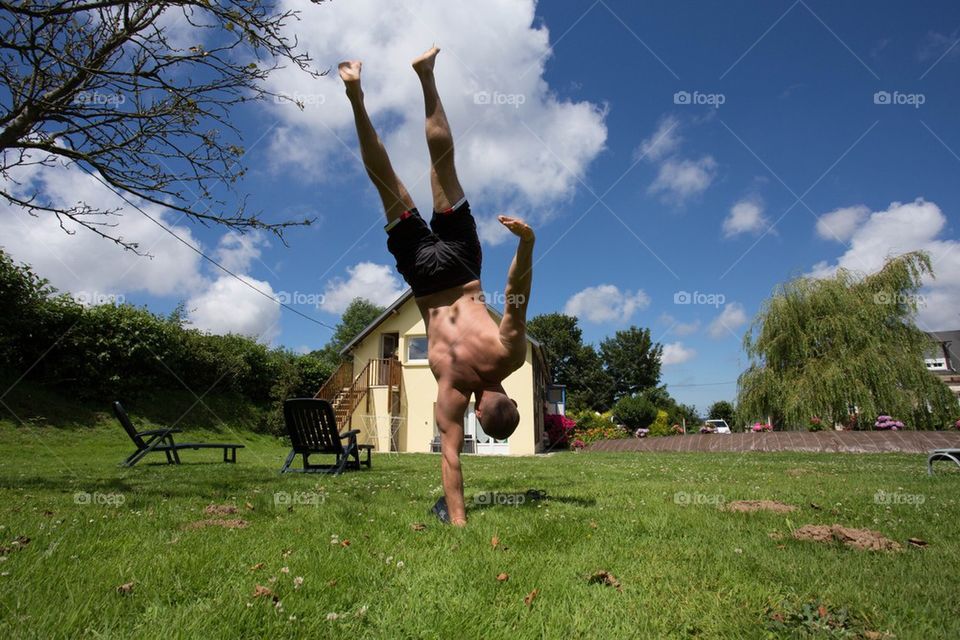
(446, 254)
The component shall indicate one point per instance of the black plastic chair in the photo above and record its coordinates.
(161, 441)
(313, 430)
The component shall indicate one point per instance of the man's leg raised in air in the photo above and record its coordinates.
(394, 195)
(443, 174)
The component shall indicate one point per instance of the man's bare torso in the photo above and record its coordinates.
(466, 350)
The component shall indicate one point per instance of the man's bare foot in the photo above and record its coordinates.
(350, 74)
(424, 64)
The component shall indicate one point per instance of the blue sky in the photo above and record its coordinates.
(637, 194)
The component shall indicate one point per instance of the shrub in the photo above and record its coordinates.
(761, 427)
(636, 412)
(591, 427)
(661, 425)
(816, 424)
(886, 423)
(558, 429)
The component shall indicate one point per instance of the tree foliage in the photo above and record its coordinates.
(572, 363)
(632, 360)
(140, 94)
(819, 347)
(722, 410)
(357, 316)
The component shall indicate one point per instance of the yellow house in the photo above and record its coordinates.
(387, 391)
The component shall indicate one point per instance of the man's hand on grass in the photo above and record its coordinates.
(517, 227)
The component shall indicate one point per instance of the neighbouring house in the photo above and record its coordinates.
(945, 359)
(386, 390)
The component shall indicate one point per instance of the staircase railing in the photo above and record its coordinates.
(345, 391)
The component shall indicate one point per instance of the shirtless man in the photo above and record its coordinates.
(468, 353)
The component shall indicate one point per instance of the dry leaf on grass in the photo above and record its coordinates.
(260, 591)
(126, 588)
(917, 542)
(345, 543)
(530, 597)
(332, 583)
(593, 525)
(503, 577)
(607, 578)
(220, 509)
(257, 566)
(286, 553)
(418, 526)
(494, 542)
(236, 523)
(249, 507)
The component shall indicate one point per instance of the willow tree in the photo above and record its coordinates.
(821, 346)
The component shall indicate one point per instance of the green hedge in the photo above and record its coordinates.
(112, 351)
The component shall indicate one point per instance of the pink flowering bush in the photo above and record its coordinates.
(578, 444)
(760, 427)
(957, 424)
(558, 429)
(886, 423)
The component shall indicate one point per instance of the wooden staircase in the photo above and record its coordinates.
(345, 391)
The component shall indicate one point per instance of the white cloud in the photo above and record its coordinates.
(746, 216)
(229, 306)
(606, 303)
(237, 251)
(662, 142)
(521, 151)
(679, 180)
(900, 228)
(732, 317)
(676, 353)
(840, 224)
(678, 328)
(377, 283)
(81, 261)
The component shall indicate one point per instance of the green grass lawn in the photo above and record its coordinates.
(687, 568)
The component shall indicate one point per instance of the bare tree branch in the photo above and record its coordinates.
(103, 84)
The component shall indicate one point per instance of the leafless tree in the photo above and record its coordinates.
(140, 95)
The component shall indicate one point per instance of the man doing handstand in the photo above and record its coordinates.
(469, 353)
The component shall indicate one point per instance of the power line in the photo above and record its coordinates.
(205, 256)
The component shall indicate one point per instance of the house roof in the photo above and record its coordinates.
(392, 308)
(950, 343)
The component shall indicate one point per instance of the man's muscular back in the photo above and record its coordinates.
(467, 350)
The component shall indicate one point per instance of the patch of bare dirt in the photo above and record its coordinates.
(759, 505)
(220, 509)
(796, 472)
(860, 539)
(236, 523)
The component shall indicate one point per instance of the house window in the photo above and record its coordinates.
(417, 349)
(936, 364)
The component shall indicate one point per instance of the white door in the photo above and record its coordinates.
(485, 444)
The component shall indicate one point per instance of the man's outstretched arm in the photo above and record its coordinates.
(513, 327)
